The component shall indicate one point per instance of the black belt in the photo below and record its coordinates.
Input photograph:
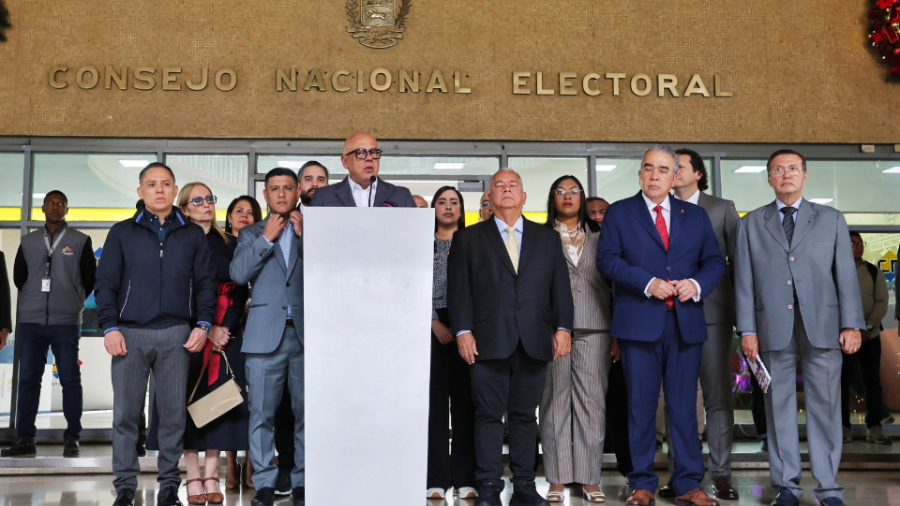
(289, 322)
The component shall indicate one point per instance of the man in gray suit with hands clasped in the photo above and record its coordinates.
(797, 293)
(269, 257)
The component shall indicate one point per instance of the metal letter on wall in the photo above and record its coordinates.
(377, 24)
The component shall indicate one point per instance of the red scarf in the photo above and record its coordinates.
(223, 302)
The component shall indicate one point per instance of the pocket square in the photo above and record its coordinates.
(389, 204)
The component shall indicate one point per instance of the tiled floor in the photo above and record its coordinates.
(863, 488)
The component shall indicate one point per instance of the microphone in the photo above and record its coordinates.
(371, 184)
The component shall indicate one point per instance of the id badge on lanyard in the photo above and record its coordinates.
(45, 281)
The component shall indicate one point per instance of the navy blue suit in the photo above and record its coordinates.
(660, 347)
(340, 195)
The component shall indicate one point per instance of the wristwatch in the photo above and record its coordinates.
(204, 327)
(869, 327)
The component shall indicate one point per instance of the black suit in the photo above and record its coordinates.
(340, 195)
(5, 300)
(513, 318)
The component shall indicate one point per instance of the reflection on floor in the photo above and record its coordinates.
(863, 488)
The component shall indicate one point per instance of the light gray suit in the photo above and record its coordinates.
(573, 406)
(818, 263)
(274, 350)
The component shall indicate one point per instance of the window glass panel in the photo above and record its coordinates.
(12, 169)
(537, 176)
(9, 244)
(265, 163)
(226, 176)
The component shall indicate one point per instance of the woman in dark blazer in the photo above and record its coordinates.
(573, 406)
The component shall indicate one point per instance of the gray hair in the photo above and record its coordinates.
(666, 150)
(505, 170)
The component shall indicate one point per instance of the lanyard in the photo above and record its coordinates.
(51, 249)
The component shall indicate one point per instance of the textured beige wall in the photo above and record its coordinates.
(800, 71)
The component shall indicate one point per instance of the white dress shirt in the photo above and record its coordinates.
(667, 216)
(693, 199)
(360, 194)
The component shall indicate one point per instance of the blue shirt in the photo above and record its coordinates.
(520, 226)
(781, 205)
(284, 243)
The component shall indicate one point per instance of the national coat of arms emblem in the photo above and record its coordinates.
(377, 24)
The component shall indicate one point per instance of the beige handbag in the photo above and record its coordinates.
(216, 403)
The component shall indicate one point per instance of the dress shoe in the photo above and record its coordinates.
(434, 493)
(527, 495)
(832, 501)
(141, 446)
(283, 482)
(168, 497)
(264, 497)
(667, 491)
(785, 498)
(214, 497)
(641, 498)
(72, 448)
(195, 498)
(724, 490)
(765, 446)
(488, 494)
(19, 448)
(298, 496)
(876, 436)
(124, 499)
(848, 435)
(467, 493)
(696, 497)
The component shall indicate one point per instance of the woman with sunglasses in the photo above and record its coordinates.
(573, 407)
(229, 432)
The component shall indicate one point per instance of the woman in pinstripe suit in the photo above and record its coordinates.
(573, 407)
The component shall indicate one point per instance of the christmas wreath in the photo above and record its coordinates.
(885, 35)
(4, 21)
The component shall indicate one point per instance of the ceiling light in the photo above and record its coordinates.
(287, 164)
(821, 201)
(751, 169)
(449, 165)
(38, 195)
(134, 163)
(605, 168)
(892, 170)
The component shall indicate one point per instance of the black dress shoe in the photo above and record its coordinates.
(19, 448)
(283, 482)
(488, 494)
(724, 490)
(527, 495)
(785, 498)
(667, 490)
(124, 499)
(765, 446)
(168, 497)
(72, 449)
(264, 497)
(299, 496)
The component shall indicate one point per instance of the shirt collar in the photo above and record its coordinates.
(781, 205)
(666, 204)
(58, 230)
(693, 199)
(502, 226)
(357, 188)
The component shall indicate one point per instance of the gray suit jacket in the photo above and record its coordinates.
(719, 305)
(590, 290)
(273, 286)
(819, 264)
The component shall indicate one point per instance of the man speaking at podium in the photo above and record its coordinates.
(511, 310)
(363, 187)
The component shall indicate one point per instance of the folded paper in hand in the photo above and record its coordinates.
(758, 369)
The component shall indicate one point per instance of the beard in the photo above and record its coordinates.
(306, 197)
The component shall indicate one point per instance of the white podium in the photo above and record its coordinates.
(367, 312)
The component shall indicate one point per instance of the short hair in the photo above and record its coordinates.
(155, 165)
(56, 192)
(312, 163)
(505, 170)
(256, 210)
(854, 233)
(781, 152)
(666, 150)
(595, 199)
(281, 171)
(698, 165)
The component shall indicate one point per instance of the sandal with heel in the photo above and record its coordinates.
(213, 497)
(199, 499)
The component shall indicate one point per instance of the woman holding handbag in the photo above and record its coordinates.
(221, 360)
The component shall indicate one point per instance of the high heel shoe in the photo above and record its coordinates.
(199, 499)
(213, 497)
(233, 473)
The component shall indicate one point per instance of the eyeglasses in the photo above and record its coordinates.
(561, 192)
(779, 171)
(486, 204)
(198, 201)
(857, 243)
(362, 153)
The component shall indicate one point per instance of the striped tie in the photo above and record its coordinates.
(512, 247)
(788, 223)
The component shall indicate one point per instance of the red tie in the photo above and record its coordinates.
(664, 234)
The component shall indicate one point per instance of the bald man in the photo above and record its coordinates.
(420, 201)
(362, 187)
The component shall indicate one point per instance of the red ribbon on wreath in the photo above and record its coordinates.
(223, 302)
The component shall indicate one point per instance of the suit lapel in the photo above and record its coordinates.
(493, 237)
(277, 247)
(293, 255)
(528, 243)
(381, 193)
(344, 194)
(639, 208)
(677, 218)
(806, 218)
(773, 225)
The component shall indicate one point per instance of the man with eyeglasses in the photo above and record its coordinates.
(362, 187)
(54, 272)
(797, 293)
(874, 291)
(485, 211)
